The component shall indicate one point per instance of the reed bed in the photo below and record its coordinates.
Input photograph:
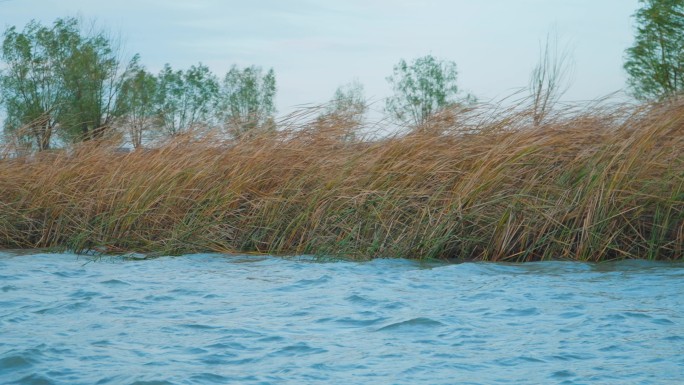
(590, 184)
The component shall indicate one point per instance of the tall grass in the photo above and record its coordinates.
(591, 184)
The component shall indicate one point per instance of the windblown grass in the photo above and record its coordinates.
(595, 184)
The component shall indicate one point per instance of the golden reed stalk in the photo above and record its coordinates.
(589, 185)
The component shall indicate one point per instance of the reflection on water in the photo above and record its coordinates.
(203, 319)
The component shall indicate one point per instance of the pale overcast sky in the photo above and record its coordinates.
(315, 46)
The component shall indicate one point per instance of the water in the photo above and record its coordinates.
(211, 319)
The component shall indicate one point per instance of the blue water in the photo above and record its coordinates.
(213, 319)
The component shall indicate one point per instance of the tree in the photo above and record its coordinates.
(186, 99)
(92, 75)
(655, 62)
(423, 88)
(59, 79)
(348, 103)
(247, 100)
(345, 112)
(33, 93)
(136, 102)
(549, 79)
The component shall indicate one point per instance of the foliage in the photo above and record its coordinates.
(185, 99)
(247, 100)
(655, 62)
(348, 103)
(137, 102)
(59, 77)
(346, 109)
(32, 91)
(92, 75)
(421, 89)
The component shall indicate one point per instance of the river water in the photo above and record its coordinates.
(219, 319)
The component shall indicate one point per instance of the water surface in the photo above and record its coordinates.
(215, 319)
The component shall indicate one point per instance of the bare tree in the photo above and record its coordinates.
(550, 78)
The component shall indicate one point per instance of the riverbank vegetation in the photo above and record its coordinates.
(482, 183)
(98, 154)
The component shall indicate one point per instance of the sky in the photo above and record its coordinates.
(314, 46)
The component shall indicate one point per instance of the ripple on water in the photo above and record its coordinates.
(33, 379)
(213, 319)
(638, 315)
(14, 362)
(520, 360)
(296, 350)
(196, 326)
(159, 298)
(412, 325)
(307, 283)
(69, 274)
(209, 378)
(226, 346)
(64, 308)
(570, 314)
(85, 294)
(218, 358)
(7, 288)
(662, 321)
(358, 322)
(361, 300)
(115, 283)
(530, 311)
(562, 374)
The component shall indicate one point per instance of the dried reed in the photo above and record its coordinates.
(589, 185)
